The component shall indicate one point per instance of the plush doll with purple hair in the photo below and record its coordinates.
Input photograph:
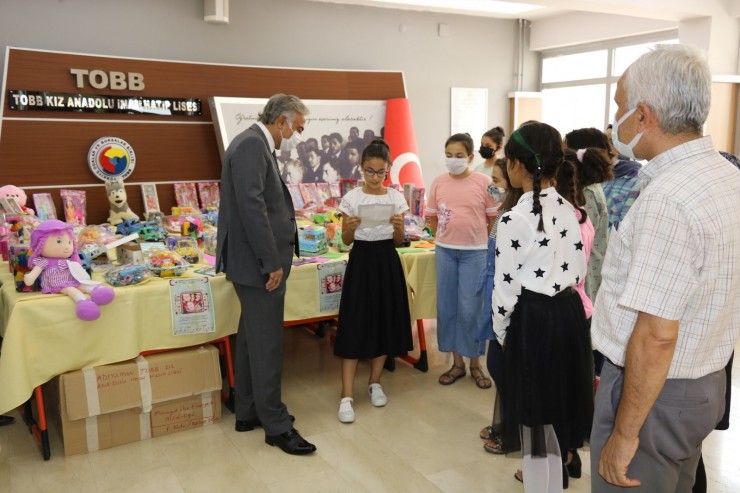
(53, 255)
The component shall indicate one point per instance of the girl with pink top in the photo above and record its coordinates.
(461, 213)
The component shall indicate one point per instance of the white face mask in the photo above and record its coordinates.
(290, 143)
(624, 149)
(456, 165)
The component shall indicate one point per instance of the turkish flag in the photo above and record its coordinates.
(399, 134)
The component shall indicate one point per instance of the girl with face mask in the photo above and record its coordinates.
(491, 144)
(460, 212)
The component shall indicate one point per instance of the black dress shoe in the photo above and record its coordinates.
(249, 425)
(6, 420)
(291, 442)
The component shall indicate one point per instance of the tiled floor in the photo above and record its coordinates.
(425, 440)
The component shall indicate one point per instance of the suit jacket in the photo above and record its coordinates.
(256, 220)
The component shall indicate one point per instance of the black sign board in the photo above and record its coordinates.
(98, 103)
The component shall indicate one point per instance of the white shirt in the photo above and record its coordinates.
(352, 201)
(545, 262)
(676, 255)
(270, 140)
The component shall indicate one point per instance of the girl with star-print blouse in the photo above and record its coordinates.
(538, 317)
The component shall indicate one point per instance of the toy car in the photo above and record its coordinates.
(151, 231)
(129, 226)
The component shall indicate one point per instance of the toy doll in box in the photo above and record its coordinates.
(19, 195)
(54, 260)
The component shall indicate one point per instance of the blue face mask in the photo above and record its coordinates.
(625, 149)
(496, 192)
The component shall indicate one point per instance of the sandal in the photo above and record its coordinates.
(481, 380)
(448, 378)
(494, 445)
(519, 476)
(486, 432)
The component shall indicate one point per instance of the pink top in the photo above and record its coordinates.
(587, 233)
(56, 275)
(461, 206)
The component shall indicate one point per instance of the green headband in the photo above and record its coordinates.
(519, 139)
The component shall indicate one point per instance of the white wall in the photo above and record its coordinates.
(585, 27)
(294, 33)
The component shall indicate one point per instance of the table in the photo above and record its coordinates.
(43, 337)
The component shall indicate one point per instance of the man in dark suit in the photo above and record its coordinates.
(256, 240)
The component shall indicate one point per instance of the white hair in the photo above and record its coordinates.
(282, 104)
(676, 83)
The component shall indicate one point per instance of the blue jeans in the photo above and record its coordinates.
(460, 297)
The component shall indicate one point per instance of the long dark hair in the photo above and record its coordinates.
(539, 147)
(567, 184)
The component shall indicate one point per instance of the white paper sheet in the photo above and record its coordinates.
(372, 215)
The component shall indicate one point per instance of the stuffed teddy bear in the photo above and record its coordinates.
(119, 209)
(19, 194)
(54, 258)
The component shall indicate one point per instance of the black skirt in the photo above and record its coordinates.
(548, 372)
(374, 317)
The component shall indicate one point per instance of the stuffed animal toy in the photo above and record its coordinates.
(119, 209)
(20, 195)
(54, 258)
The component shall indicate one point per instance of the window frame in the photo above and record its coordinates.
(611, 78)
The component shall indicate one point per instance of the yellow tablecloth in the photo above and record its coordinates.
(42, 337)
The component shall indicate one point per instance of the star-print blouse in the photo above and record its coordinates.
(544, 262)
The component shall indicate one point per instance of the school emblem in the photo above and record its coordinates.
(111, 158)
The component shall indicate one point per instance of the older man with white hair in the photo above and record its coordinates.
(667, 317)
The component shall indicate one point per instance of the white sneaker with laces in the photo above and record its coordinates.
(377, 396)
(346, 413)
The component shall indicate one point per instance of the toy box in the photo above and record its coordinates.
(312, 240)
(18, 262)
(185, 246)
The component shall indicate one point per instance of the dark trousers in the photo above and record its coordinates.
(258, 358)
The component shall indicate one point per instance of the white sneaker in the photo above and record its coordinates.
(377, 397)
(346, 413)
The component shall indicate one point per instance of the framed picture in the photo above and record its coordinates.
(186, 196)
(150, 197)
(336, 133)
(44, 206)
(210, 194)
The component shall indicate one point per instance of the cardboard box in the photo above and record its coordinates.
(183, 414)
(105, 406)
(130, 253)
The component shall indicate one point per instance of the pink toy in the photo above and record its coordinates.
(53, 251)
(20, 195)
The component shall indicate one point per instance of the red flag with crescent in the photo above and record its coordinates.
(399, 134)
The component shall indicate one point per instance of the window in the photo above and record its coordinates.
(578, 84)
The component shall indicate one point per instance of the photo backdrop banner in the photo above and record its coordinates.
(335, 134)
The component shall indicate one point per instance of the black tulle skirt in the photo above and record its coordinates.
(374, 317)
(548, 373)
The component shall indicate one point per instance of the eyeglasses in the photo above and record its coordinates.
(372, 172)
